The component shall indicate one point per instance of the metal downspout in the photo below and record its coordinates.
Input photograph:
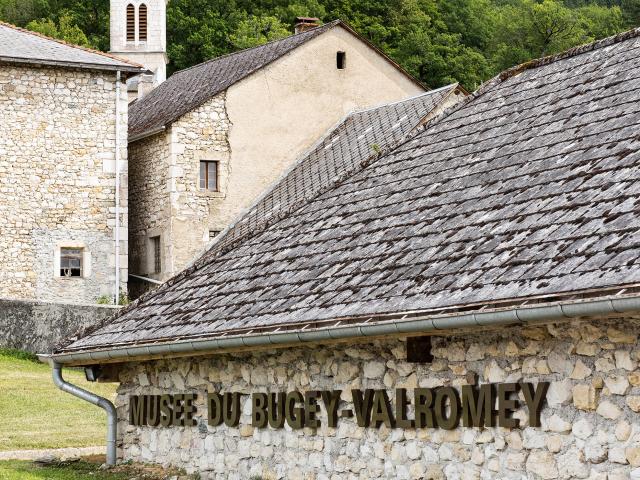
(116, 296)
(106, 405)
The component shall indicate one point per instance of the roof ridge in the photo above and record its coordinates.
(328, 26)
(70, 45)
(531, 64)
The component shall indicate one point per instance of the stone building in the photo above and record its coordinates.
(209, 140)
(60, 121)
(463, 304)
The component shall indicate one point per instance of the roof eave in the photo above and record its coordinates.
(81, 65)
(411, 323)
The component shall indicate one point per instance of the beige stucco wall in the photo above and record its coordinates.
(255, 130)
(589, 421)
(285, 108)
(57, 182)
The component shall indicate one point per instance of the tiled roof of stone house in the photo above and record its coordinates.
(188, 89)
(528, 189)
(359, 137)
(22, 46)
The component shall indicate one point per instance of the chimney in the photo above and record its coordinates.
(145, 85)
(306, 23)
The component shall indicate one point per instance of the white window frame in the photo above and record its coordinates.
(86, 259)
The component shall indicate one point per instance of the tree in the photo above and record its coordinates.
(21, 12)
(258, 30)
(439, 41)
(65, 30)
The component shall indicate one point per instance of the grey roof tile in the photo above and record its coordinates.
(25, 47)
(530, 188)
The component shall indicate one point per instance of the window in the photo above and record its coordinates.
(142, 23)
(209, 175)
(213, 234)
(157, 255)
(131, 23)
(71, 262)
(341, 60)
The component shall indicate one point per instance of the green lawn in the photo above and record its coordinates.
(14, 470)
(34, 414)
(67, 471)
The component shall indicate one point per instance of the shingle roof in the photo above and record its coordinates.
(22, 46)
(531, 187)
(360, 137)
(188, 89)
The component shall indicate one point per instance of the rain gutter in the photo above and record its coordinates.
(106, 405)
(116, 287)
(428, 324)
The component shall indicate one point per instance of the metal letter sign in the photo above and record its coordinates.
(442, 407)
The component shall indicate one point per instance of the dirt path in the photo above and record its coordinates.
(61, 453)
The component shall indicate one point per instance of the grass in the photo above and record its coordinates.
(80, 470)
(14, 470)
(34, 414)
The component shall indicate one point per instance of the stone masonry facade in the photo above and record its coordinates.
(589, 424)
(57, 182)
(165, 187)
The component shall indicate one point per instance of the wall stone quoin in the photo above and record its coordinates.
(589, 423)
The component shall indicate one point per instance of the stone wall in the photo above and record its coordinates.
(255, 130)
(148, 172)
(57, 181)
(589, 425)
(165, 188)
(38, 326)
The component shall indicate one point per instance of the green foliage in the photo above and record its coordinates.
(258, 30)
(65, 29)
(438, 41)
(108, 299)
(18, 354)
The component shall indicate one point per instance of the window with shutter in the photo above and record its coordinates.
(131, 23)
(142, 23)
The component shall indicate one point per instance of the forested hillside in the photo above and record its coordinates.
(439, 41)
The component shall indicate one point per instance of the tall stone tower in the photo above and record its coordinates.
(139, 33)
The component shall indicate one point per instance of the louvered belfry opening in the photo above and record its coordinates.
(131, 23)
(142, 23)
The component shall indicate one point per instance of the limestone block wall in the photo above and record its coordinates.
(57, 181)
(589, 424)
(202, 134)
(165, 188)
(148, 190)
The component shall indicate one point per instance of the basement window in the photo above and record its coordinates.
(71, 262)
(341, 60)
(157, 254)
(209, 175)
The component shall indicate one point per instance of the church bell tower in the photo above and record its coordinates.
(139, 33)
